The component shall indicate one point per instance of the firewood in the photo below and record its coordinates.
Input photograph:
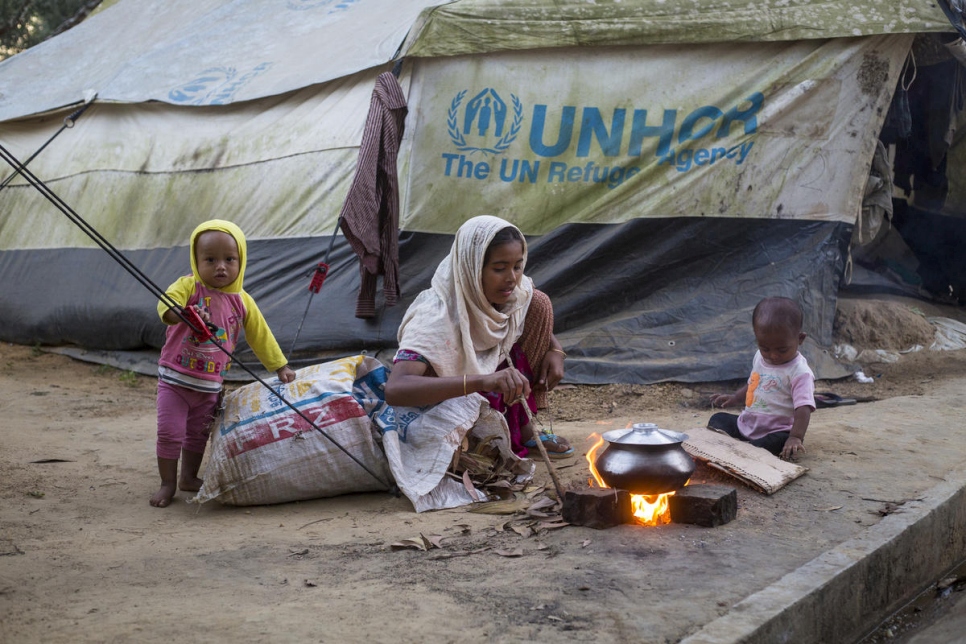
(597, 508)
(704, 505)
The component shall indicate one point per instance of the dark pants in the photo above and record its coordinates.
(728, 423)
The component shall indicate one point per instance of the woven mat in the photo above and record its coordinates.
(752, 465)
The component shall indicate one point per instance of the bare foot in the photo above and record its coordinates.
(162, 498)
(192, 484)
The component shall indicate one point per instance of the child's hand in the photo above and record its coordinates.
(203, 313)
(793, 447)
(285, 374)
(723, 400)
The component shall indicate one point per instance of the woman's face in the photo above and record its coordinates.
(502, 272)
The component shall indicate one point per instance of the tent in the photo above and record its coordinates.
(670, 163)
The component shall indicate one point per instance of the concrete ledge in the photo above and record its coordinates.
(844, 593)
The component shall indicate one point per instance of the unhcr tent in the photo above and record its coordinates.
(670, 163)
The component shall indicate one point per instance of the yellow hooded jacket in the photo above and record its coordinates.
(231, 310)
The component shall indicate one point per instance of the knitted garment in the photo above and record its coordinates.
(370, 213)
(535, 341)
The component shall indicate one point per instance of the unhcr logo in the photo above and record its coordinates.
(215, 85)
(307, 5)
(584, 144)
(485, 119)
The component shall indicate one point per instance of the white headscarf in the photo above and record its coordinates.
(452, 324)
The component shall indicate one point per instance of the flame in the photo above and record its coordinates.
(592, 458)
(649, 509)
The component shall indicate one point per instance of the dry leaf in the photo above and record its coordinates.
(585, 543)
(522, 530)
(542, 546)
(547, 525)
(829, 509)
(503, 506)
(436, 540)
(534, 491)
(416, 543)
(510, 553)
(468, 484)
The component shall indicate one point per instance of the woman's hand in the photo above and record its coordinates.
(285, 374)
(510, 383)
(551, 370)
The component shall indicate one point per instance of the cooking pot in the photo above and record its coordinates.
(645, 460)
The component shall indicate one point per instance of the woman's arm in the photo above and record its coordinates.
(408, 386)
(551, 370)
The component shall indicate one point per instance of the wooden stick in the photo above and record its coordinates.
(543, 450)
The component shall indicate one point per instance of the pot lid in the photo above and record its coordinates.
(644, 434)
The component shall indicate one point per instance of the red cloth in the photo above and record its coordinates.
(370, 213)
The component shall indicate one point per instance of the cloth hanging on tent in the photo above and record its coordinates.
(370, 213)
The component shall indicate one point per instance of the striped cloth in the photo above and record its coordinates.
(370, 213)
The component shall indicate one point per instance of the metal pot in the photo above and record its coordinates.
(645, 460)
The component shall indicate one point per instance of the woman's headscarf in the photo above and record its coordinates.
(452, 324)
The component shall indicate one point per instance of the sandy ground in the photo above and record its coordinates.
(83, 557)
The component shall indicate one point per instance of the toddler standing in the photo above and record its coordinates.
(780, 394)
(190, 371)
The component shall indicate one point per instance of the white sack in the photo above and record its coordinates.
(263, 452)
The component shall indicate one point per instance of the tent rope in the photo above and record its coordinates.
(319, 274)
(186, 314)
(68, 123)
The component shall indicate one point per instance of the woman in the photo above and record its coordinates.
(481, 328)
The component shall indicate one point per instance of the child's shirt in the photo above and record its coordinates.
(774, 392)
(201, 366)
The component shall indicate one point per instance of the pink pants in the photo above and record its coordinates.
(184, 420)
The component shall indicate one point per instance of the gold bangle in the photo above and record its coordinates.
(560, 351)
(464, 384)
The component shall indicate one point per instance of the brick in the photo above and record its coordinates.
(597, 508)
(704, 505)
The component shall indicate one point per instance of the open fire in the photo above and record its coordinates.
(649, 509)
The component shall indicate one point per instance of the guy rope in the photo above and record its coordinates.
(187, 315)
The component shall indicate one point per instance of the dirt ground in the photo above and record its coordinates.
(83, 557)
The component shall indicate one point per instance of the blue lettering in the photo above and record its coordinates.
(591, 172)
(526, 170)
(463, 167)
(687, 126)
(556, 172)
(664, 132)
(563, 137)
(746, 116)
(684, 160)
(593, 124)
